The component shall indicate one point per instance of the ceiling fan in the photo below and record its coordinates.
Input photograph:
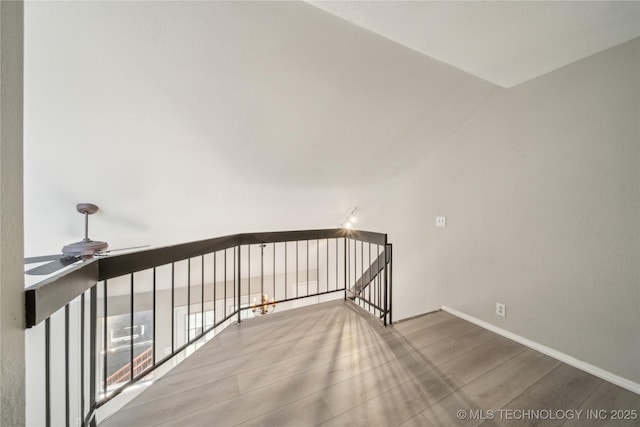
(73, 252)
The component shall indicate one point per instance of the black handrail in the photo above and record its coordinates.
(370, 283)
(45, 298)
(117, 265)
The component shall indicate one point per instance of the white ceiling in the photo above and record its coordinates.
(197, 119)
(506, 43)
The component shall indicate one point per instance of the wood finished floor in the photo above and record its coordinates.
(333, 365)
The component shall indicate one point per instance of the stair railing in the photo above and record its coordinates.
(140, 363)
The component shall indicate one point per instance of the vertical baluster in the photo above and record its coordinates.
(327, 265)
(274, 271)
(378, 293)
(82, 358)
(47, 371)
(364, 292)
(362, 265)
(225, 283)
(153, 313)
(317, 266)
(261, 272)
(337, 263)
(235, 302)
(173, 308)
(369, 299)
(380, 288)
(347, 265)
(384, 284)
(93, 348)
(378, 269)
(188, 337)
(285, 270)
(370, 267)
(297, 269)
(66, 365)
(354, 272)
(307, 267)
(345, 268)
(389, 287)
(239, 267)
(104, 338)
(377, 288)
(131, 330)
(202, 325)
(215, 285)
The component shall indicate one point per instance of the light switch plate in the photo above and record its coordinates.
(441, 221)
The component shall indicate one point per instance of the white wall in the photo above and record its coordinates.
(541, 190)
(188, 120)
(12, 394)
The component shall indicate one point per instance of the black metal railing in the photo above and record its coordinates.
(108, 323)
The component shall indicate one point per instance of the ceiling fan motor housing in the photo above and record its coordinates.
(87, 208)
(86, 247)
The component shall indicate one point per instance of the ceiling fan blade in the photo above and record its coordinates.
(51, 267)
(43, 258)
(107, 252)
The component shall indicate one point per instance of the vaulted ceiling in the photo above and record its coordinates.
(504, 42)
(192, 119)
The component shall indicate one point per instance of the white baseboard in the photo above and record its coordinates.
(569, 360)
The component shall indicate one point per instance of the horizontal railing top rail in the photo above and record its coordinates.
(46, 297)
(117, 265)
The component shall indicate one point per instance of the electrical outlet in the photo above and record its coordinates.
(441, 221)
(501, 309)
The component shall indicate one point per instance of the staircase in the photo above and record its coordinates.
(140, 363)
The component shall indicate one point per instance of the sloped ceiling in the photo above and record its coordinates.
(215, 117)
(187, 120)
(504, 42)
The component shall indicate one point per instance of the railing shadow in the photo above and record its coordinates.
(426, 386)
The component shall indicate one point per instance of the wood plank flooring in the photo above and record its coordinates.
(334, 365)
